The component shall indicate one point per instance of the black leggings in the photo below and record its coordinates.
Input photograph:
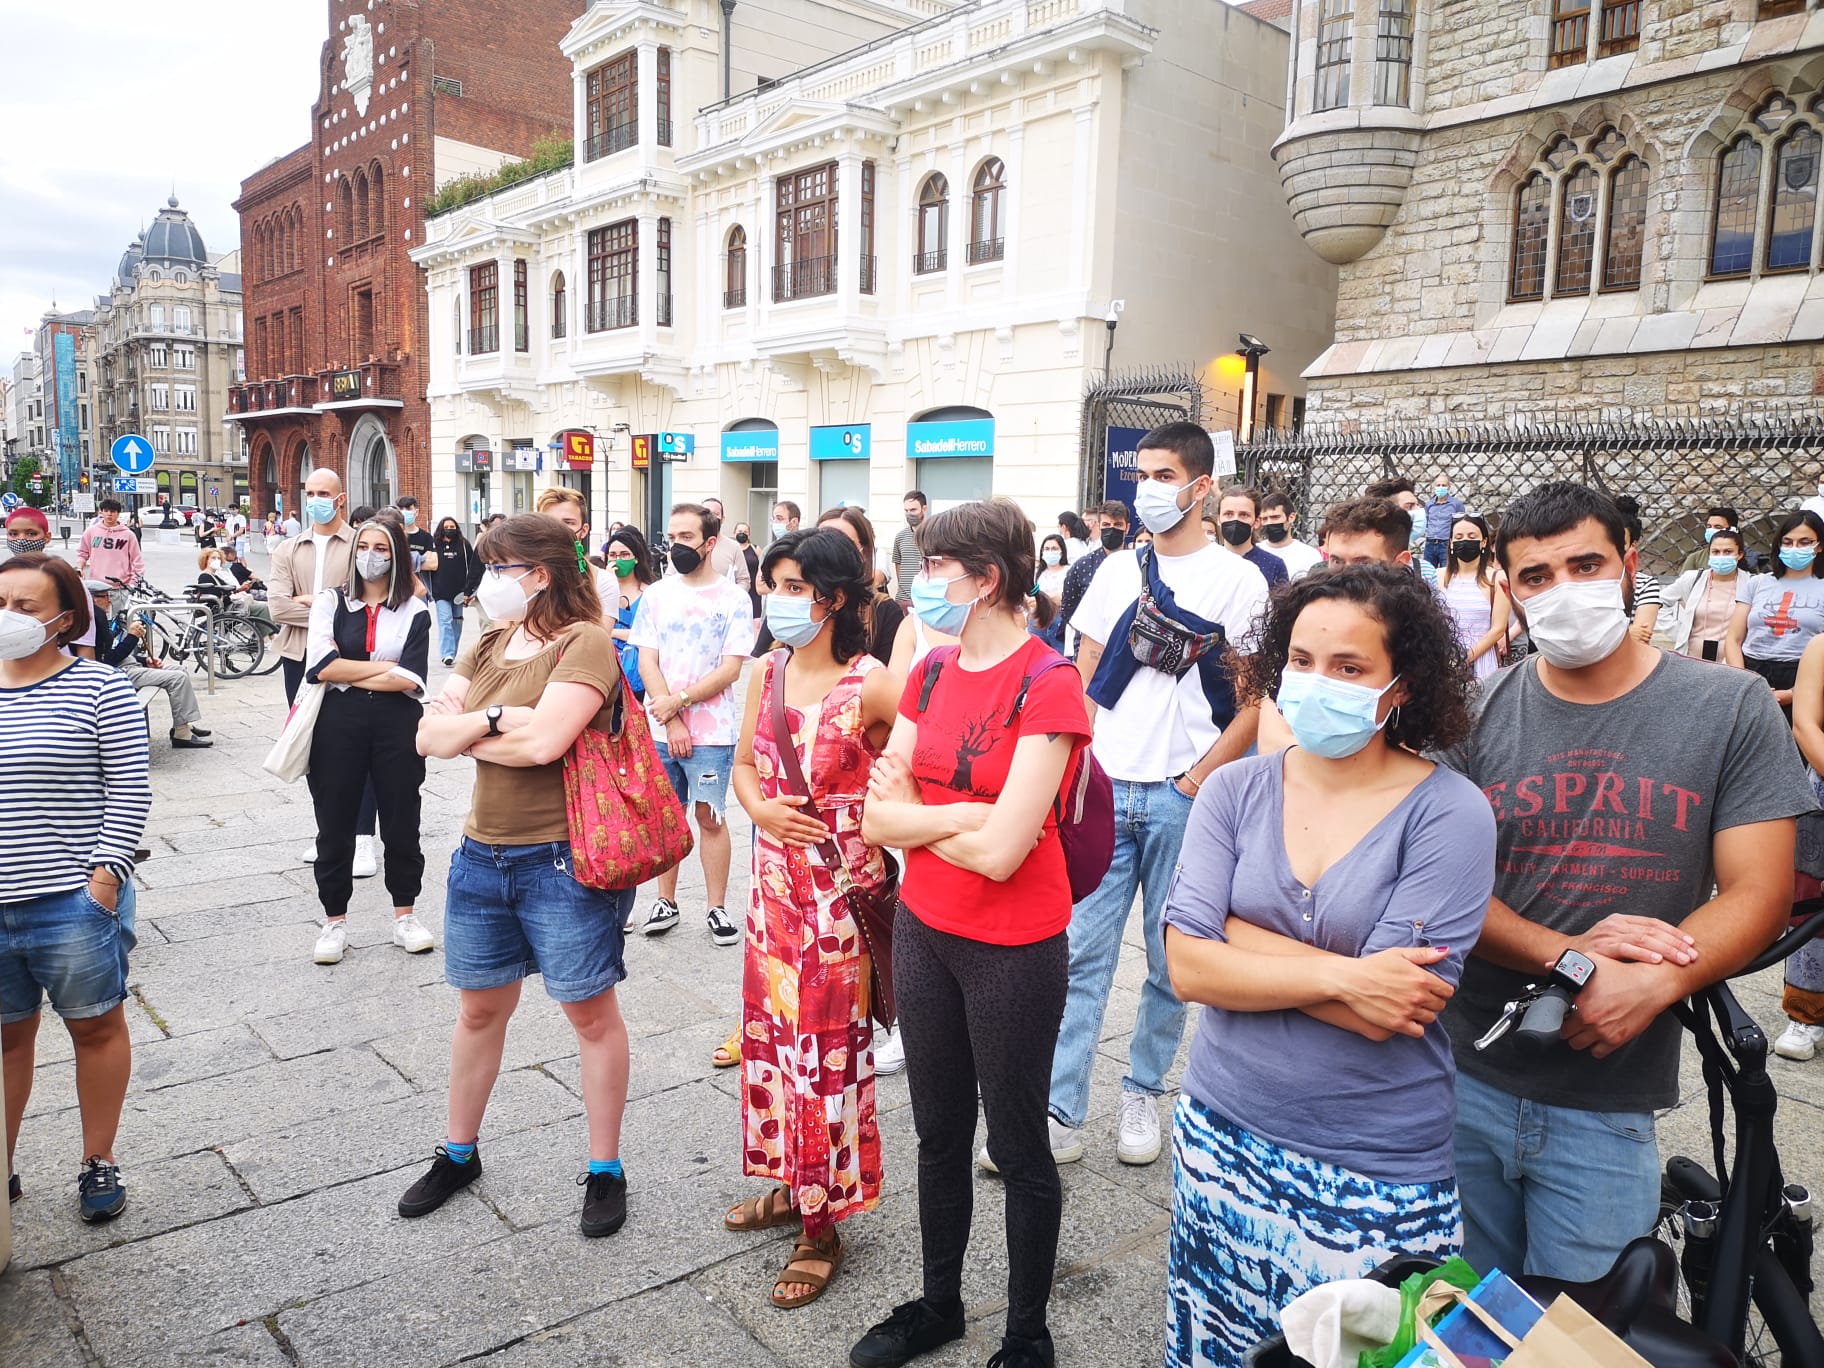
(366, 738)
(972, 1010)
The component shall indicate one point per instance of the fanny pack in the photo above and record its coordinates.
(1160, 643)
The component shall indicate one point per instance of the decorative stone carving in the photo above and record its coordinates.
(358, 62)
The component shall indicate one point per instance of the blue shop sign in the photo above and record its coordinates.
(842, 442)
(1121, 465)
(968, 437)
(760, 445)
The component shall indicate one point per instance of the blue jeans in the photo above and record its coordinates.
(449, 626)
(69, 947)
(1149, 829)
(1554, 1191)
(701, 777)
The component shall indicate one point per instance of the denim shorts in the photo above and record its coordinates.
(68, 946)
(510, 911)
(702, 777)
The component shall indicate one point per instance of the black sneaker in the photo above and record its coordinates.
(13, 1191)
(445, 1179)
(1016, 1351)
(915, 1328)
(722, 930)
(662, 918)
(98, 1187)
(604, 1203)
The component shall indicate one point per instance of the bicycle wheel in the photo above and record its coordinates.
(270, 660)
(238, 648)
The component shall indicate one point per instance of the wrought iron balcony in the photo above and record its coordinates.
(611, 140)
(991, 249)
(621, 311)
(930, 263)
(484, 340)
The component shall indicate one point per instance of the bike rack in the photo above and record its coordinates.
(191, 611)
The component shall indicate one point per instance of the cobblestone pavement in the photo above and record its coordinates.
(278, 1108)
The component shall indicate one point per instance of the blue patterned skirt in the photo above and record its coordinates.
(1254, 1225)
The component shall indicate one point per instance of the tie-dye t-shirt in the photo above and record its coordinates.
(693, 627)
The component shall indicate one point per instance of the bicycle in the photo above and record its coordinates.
(1743, 1240)
(238, 647)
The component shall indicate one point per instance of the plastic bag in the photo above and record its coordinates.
(1453, 1271)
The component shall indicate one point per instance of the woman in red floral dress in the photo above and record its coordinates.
(807, 1096)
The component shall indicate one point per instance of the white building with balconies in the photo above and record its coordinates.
(887, 269)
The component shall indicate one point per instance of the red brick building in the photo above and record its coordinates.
(412, 94)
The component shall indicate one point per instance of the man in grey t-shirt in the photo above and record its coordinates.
(1624, 782)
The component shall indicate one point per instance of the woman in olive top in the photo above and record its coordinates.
(516, 703)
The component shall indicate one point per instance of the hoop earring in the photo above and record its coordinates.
(1393, 717)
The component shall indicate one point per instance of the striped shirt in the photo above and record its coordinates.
(75, 787)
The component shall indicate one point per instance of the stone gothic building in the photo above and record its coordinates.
(1553, 208)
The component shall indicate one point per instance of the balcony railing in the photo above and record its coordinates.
(870, 274)
(620, 312)
(990, 249)
(804, 279)
(929, 263)
(611, 140)
(664, 127)
(735, 298)
(664, 315)
(484, 340)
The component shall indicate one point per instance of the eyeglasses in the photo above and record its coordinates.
(495, 568)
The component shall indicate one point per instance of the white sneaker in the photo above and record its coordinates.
(1798, 1041)
(410, 936)
(332, 943)
(309, 854)
(889, 1052)
(1066, 1146)
(367, 864)
(1139, 1143)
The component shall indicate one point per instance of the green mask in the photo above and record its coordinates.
(623, 566)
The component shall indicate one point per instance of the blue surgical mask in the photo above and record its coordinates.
(1798, 557)
(1710, 532)
(1441, 491)
(1329, 717)
(1723, 565)
(931, 602)
(409, 515)
(789, 620)
(320, 510)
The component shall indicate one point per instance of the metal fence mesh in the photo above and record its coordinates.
(1761, 463)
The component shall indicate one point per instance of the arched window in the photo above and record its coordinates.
(734, 271)
(294, 239)
(987, 220)
(359, 232)
(1532, 225)
(377, 207)
(560, 306)
(933, 225)
(1792, 216)
(345, 220)
(1577, 233)
(1738, 188)
(1626, 239)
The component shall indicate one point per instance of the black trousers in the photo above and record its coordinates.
(293, 673)
(969, 1011)
(365, 738)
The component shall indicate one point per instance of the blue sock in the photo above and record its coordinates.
(460, 1153)
(605, 1166)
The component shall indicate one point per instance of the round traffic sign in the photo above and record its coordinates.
(132, 454)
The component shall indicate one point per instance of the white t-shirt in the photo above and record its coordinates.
(291, 527)
(1162, 726)
(1300, 557)
(694, 628)
(321, 541)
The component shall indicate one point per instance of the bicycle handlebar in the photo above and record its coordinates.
(1812, 909)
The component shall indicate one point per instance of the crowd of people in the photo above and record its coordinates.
(1363, 789)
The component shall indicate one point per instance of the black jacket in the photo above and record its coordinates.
(458, 571)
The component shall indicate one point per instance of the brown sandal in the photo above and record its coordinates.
(830, 1250)
(728, 1053)
(768, 1211)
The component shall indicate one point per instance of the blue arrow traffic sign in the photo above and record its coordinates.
(9, 501)
(132, 453)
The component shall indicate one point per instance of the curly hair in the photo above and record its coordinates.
(830, 564)
(1427, 657)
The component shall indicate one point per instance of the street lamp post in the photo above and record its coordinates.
(1251, 349)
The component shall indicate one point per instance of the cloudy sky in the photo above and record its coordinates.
(106, 105)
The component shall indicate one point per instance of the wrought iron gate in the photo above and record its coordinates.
(1134, 399)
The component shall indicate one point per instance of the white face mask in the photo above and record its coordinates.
(21, 634)
(1577, 623)
(373, 565)
(504, 599)
(1157, 504)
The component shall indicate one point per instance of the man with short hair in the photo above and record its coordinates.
(416, 537)
(1400, 490)
(1159, 733)
(1610, 835)
(1237, 520)
(1112, 536)
(107, 549)
(567, 506)
(1276, 523)
(729, 557)
(1441, 514)
(693, 630)
(1719, 519)
(906, 561)
(785, 518)
(290, 526)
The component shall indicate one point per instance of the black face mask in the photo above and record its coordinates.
(1236, 532)
(741, 538)
(1113, 537)
(1466, 550)
(685, 559)
(1275, 532)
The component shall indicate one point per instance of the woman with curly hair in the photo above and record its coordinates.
(1324, 902)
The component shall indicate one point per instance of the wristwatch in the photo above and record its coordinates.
(493, 716)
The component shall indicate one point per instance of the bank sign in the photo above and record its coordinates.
(967, 437)
(759, 445)
(1121, 465)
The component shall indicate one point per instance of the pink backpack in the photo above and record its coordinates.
(1085, 810)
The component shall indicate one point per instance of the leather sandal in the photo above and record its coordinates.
(768, 1211)
(830, 1250)
(728, 1053)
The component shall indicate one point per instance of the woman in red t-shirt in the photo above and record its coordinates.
(967, 788)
